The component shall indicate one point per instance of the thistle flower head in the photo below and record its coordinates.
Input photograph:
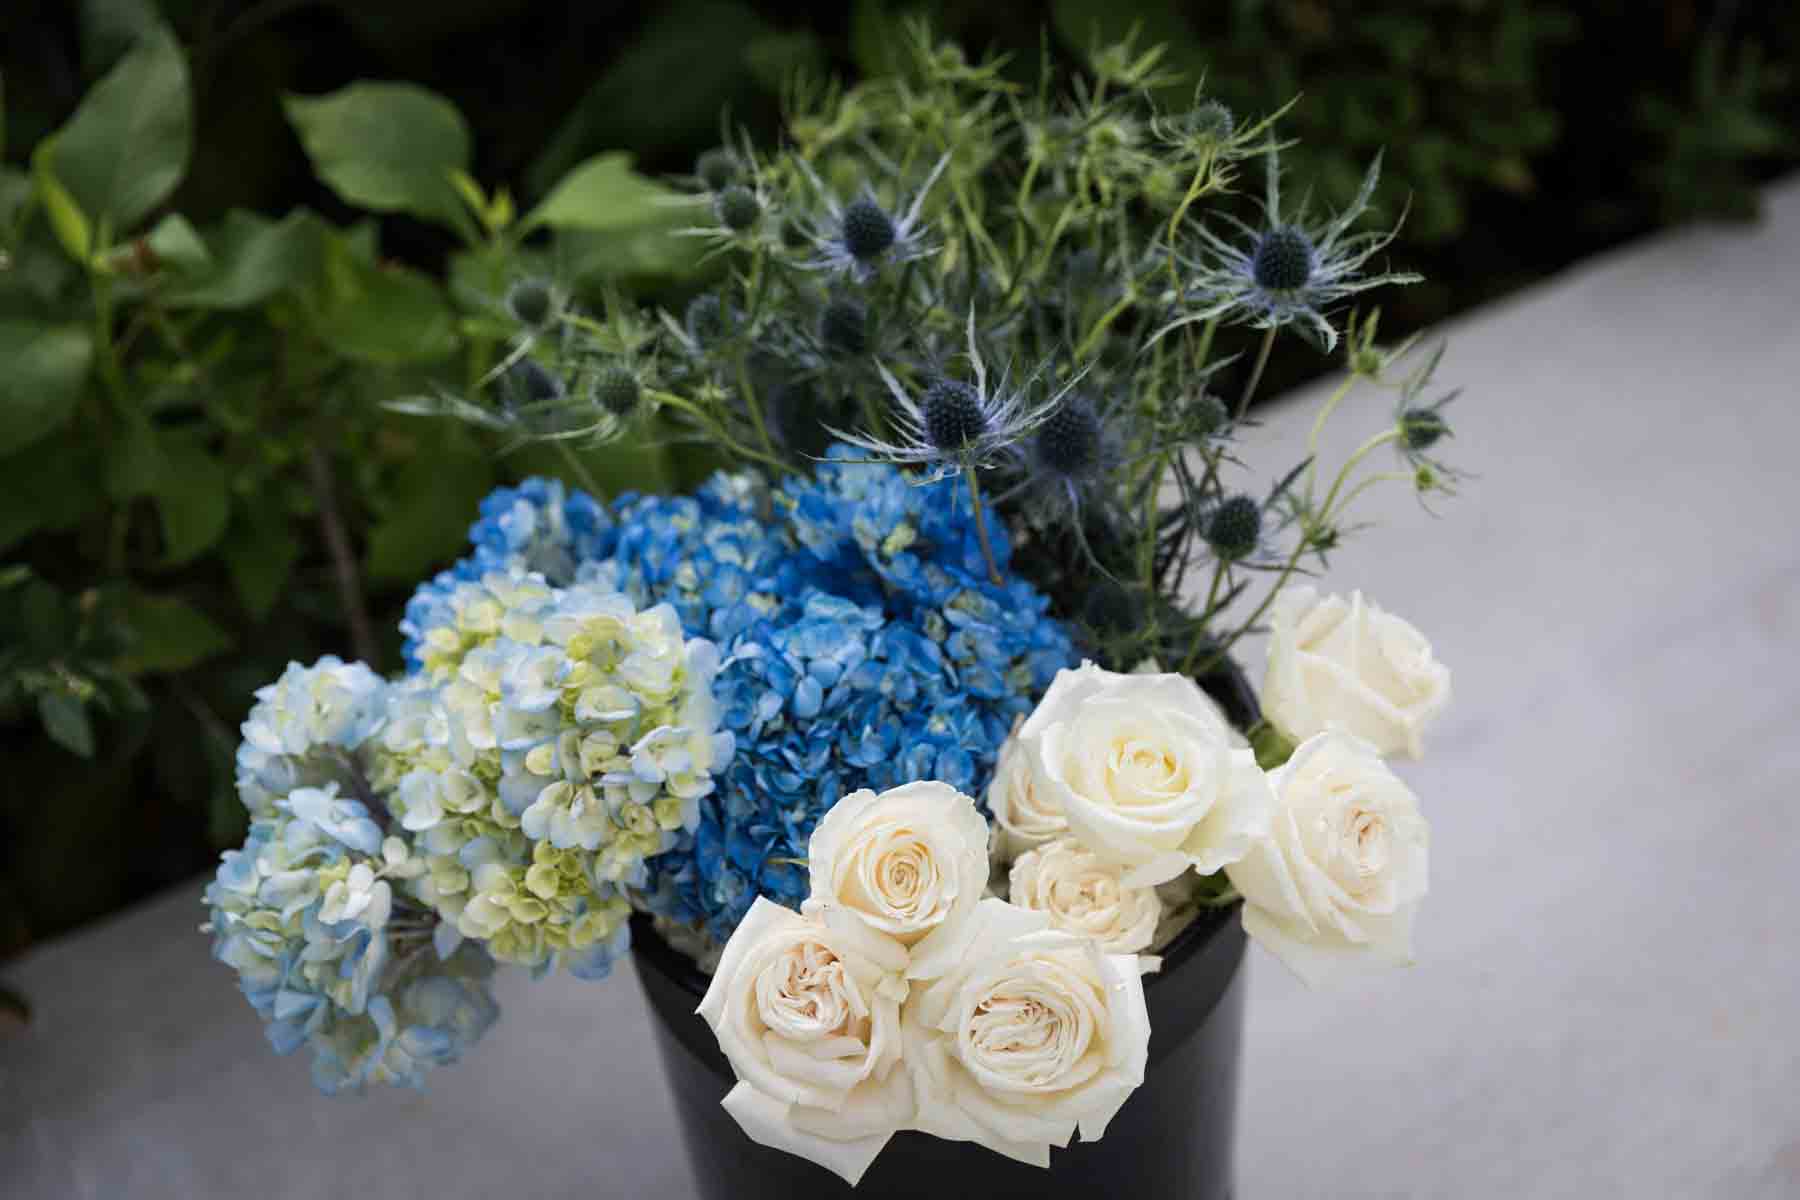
(956, 425)
(1282, 259)
(859, 238)
(531, 302)
(617, 390)
(1068, 443)
(1212, 121)
(1289, 272)
(1421, 428)
(1234, 527)
(865, 230)
(844, 328)
(737, 208)
(706, 320)
(716, 168)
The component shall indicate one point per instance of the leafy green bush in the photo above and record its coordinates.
(197, 478)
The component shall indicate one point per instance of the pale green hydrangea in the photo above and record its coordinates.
(554, 739)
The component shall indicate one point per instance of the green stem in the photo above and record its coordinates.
(1101, 326)
(981, 533)
(1204, 350)
(1300, 544)
(1318, 427)
(110, 371)
(578, 468)
(707, 422)
(1256, 372)
(754, 404)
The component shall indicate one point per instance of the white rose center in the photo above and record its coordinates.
(1137, 767)
(1030, 1030)
(805, 994)
(897, 875)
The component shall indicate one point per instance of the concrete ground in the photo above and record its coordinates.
(1609, 976)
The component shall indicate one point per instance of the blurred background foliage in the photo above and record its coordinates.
(228, 232)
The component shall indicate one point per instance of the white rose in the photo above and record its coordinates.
(1082, 894)
(1033, 1034)
(807, 1008)
(1147, 771)
(910, 863)
(1021, 814)
(1344, 868)
(1346, 664)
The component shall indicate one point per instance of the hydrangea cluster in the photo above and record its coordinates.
(716, 556)
(911, 666)
(554, 739)
(862, 645)
(328, 952)
(306, 729)
(538, 526)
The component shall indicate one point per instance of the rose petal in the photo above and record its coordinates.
(766, 1121)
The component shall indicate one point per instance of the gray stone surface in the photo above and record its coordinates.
(1607, 989)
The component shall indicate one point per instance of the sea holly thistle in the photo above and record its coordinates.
(1037, 291)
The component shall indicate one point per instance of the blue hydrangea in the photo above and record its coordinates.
(540, 526)
(917, 673)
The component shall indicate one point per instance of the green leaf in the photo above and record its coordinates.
(606, 195)
(390, 147)
(135, 462)
(67, 221)
(253, 258)
(110, 27)
(175, 242)
(380, 314)
(127, 145)
(170, 634)
(193, 498)
(643, 255)
(44, 368)
(48, 487)
(260, 552)
(66, 721)
(428, 521)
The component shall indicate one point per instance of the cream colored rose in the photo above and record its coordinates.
(807, 1008)
(1032, 1035)
(1082, 894)
(910, 863)
(1346, 664)
(1343, 870)
(1022, 819)
(1147, 772)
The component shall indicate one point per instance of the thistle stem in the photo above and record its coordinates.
(578, 468)
(981, 533)
(1256, 372)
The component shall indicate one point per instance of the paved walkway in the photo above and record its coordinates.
(1610, 975)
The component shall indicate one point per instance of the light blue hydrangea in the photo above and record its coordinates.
(305, 730)
(333, 956)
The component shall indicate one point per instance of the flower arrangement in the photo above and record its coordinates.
(893, 724)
